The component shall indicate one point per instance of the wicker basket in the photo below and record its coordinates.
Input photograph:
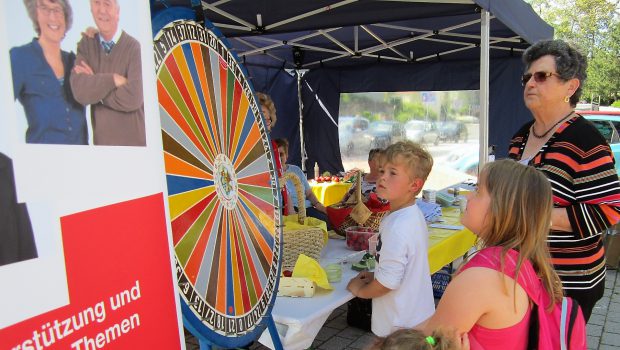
(308, 240)
(355, 212)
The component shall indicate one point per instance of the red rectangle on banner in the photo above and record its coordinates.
(120, 282)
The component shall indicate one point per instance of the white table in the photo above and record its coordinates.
(299, 319)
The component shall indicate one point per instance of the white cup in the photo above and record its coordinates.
(462, 204)
(372, 244)
(429, 195)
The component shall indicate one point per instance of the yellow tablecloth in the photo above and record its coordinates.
(329, 193)
(445, 245)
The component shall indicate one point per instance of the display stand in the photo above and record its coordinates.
(223, 193)
(205, 344)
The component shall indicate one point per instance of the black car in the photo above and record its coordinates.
(353, 135)
(452, 131)
(385, 133)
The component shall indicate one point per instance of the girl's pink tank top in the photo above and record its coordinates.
(510, 338)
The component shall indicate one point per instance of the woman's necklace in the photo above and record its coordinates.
(551, 128)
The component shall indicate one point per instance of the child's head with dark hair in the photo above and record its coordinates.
(282, 145)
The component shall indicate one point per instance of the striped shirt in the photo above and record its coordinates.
(580, 167)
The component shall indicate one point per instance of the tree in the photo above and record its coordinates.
(593, 26)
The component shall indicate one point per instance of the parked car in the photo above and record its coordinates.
(353, 135)
(468, 163)
(421, 132)
(463, 158)
(385, 133)
(452, 131)
(607, 123)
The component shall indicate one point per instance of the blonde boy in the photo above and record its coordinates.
(400, 287)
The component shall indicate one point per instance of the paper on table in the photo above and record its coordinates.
(311, 269)
(447, 227)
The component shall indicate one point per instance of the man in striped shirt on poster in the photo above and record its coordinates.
(578, 162)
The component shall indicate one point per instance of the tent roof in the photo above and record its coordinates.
(370, 45)
(307, 34)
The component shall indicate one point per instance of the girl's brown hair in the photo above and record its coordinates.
(520, 217)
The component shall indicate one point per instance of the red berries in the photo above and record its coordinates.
(357, 237)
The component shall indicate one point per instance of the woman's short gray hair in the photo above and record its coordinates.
(569, 62)
(31, 7)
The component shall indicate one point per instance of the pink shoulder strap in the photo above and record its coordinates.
(528, 280)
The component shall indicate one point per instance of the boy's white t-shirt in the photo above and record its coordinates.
(403, 268)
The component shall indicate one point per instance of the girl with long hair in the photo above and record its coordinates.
(510, 212)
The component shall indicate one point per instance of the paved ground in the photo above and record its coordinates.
(603, 327)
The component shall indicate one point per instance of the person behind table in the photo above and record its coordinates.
(413, 339)
(579, 163)
(40, 71)
(369, 180)
(314, 208)
(510, 212)
(108, 77)
(400, 287)
(268, 108)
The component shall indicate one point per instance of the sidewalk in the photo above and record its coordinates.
(603, 327)
(604, 324)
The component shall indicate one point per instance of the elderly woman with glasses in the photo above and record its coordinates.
(576, 159)
(41, 71)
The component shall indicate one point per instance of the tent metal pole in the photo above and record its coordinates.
(310, 13)
(398, 42)
(497, 39)
(216, 9)
(245, 42)
(302, 144)
(278, 43)
(484, 88)
(378, 38)
(337, 42)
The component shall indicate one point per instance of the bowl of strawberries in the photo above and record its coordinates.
(357, 237)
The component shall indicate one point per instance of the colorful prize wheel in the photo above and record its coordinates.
(222, 186)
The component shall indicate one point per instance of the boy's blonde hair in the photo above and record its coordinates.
(413, 339)
(520, 217)
(413, 155)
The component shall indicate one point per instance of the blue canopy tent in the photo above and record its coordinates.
(377, 45)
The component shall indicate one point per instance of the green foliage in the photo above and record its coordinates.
(406, 106)
(594, 27)
(616, 104)
(414, 110)
(367, 114)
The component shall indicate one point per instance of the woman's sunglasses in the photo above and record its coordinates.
(539, 77)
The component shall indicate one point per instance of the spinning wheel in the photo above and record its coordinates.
(222, 185)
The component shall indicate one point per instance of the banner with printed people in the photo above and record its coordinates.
(85, 243)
